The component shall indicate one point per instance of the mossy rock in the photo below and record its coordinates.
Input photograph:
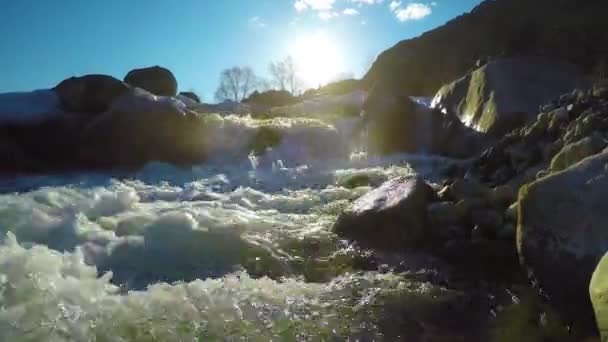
(355, 181)
(264, 138)
(598, 290)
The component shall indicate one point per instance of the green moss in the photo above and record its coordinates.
(264, 138)
(355, 181)
(523, 194)
(316, 260)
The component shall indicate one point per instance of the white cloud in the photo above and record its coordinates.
(413, 11)
(350, 11)
(367, 2)
(257, 22)
(328, 15)
(317, 5)
(394, 5)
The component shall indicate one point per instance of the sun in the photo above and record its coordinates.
(317, 57)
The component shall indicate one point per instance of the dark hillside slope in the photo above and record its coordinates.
(574, 30)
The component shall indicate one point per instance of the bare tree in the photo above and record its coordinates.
(236, 84)
(285, 75)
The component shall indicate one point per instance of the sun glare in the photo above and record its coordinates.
(317, 58)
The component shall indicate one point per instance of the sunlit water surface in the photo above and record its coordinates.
(237, 249)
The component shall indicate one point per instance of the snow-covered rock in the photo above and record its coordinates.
(32, 107)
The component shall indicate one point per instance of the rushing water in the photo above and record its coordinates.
(239, 248)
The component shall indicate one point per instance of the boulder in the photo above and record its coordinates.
(506, 93)
(141, 128)
(191, 95)
(91, 94)
(561, 233)
(391, 216)
(157, 80)
(575, 152)
(598, 290)
(444, 214)
(397, 123)
(466, 189)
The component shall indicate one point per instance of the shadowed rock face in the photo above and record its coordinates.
(507, 93)
(191, 95)
(396, 123)
(562, 233)
(391, 216)
(571, 30)
(91, 94)
(157, 80)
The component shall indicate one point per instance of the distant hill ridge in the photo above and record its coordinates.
(572, 30)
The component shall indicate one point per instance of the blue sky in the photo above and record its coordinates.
(43, 41)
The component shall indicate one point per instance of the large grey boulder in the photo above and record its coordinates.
(506, 93)
(157, 80)
(397, 123)
(562, 233)
(391, 216)
(91, 94)
(141, 128)
(598, 290)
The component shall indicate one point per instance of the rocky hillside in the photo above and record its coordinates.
(572, 30)
(538, 194)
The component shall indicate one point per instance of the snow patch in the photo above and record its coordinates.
(24, 108)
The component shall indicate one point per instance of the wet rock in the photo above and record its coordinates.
(561, 233)
(396, 123)
(355, 181)
(447, 213)
(481, 258)
(598, 289)
(157, 80)
(561, 114)
(511, 213)
(503, 195)
(490, 221)
(14, 159)
(575, 152)
(191, 95)
(550, 150)
(391, 216)
(451, 232)
(92, 94)
(601, 91)
(506, 232)
(466, 188)
(506, 93)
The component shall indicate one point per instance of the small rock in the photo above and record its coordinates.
(560, 114)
